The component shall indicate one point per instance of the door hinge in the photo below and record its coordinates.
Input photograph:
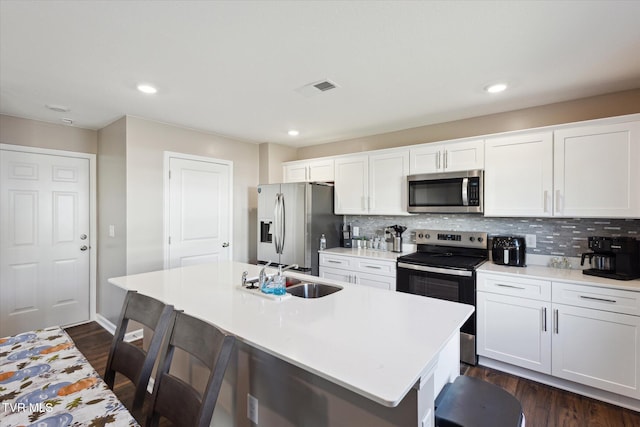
(169, 174)
(169, 239)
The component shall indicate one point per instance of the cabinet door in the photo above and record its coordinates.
(296, 172)
(321, 171)
(466, 155)
(426, 158)
(597, 348)
(336, 274)
(388, 183)
(597, 171)
(376, 281)
(515, 330)
(351, 191)
(518, 175)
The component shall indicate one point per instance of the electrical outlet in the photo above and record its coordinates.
(252, 409)
(530, 240)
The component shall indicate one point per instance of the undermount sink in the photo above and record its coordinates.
(312, 290)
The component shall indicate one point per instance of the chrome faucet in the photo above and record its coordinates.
(288, 267)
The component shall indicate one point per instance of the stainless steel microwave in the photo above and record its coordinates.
(449, 192)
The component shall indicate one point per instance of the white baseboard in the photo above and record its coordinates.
(584, 390)
(111, 328)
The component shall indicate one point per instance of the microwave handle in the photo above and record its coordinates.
(465, 195)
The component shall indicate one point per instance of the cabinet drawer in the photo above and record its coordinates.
(614, 300)
(376, 267)
(516, 286)
(337, 261)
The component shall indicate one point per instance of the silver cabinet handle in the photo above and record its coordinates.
(555, 315)
(438, 160)
(84, 247)
(374, 267)
(598, 299)
(445, 159)
(544, 319)
(510, 286)
(333, 262)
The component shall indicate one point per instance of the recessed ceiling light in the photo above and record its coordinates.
(496, 88)
(293, 132)
(145, 88)
(58, 108)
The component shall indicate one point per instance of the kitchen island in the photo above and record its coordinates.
(359, 356)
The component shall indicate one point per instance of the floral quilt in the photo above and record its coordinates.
(45, 381)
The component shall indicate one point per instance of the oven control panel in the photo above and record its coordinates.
(463, 239)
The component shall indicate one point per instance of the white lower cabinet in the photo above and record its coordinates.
(515, 330)
(362, 271)
(597, 348)
(586, 334)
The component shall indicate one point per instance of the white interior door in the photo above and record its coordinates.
(44, 241)
(199, 211)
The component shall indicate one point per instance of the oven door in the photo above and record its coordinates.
(447, 284)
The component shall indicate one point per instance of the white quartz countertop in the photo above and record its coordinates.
(561, 275)
(374, 342)
(375, 254)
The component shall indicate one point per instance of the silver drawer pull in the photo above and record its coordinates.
(510, 286)
(599, 299)
(333, 262)
(373, 266)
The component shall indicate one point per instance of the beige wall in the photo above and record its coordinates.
(112, 251)
(615, 104)
(33, 133)
(146, 143)
(271, 158)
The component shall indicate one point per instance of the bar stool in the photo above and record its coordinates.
(471, 402)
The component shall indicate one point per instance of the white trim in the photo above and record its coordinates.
(93, 227)
(584, 390)
(165, 182)
(111, 328)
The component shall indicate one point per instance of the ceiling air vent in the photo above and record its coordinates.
(315, 88)
(324, 86)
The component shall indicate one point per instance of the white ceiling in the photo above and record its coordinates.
(233, 67)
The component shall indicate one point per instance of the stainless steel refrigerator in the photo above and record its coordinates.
(291, 220)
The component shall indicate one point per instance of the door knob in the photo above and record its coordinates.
(84, 247)
(225, 245)
(83, 237)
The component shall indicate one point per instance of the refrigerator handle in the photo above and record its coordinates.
(276, 223)
(283, 218)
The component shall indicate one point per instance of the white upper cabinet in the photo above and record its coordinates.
(351, 191)
(447, 157)
(295, 172)
(388, 183)
(587, 171)
(318, 170)
(372, 184)
(518, 175)
(597, 171)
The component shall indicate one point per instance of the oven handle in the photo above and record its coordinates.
(447, 271)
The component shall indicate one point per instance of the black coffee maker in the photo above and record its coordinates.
(613, 257)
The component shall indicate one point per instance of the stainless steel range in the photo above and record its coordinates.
(444, 267)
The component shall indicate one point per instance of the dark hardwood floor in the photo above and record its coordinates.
(544, 406)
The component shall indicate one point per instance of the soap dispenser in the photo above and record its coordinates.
(279, 286)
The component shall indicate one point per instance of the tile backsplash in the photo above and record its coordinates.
(554, 236)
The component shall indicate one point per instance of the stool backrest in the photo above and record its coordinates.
(177, 400)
